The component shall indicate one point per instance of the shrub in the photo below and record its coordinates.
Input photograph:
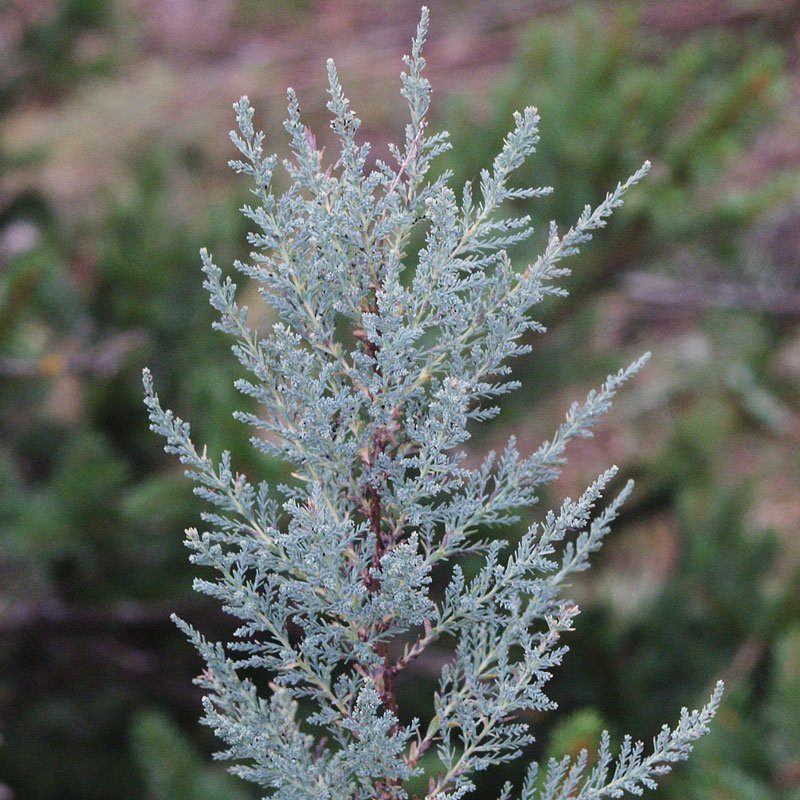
(367, 386)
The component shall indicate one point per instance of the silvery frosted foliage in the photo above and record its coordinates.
(367, 386)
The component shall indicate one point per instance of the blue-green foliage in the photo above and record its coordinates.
(172, 768)
(612, 97)
(367, 386)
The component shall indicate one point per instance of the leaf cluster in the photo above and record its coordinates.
(368, 386)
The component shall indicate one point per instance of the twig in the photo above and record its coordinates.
(657, 291)
(104, 359)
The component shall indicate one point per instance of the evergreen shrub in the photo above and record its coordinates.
(380, 364)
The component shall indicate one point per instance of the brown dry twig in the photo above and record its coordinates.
(104, 359)
(655, 290)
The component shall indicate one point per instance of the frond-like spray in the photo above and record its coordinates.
(366, 386)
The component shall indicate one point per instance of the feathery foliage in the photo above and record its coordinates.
(367, 385)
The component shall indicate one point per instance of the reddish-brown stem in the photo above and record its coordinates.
(385, 676)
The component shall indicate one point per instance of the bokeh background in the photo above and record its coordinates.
(113, 151)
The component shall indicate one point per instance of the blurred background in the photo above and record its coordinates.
(113, 148)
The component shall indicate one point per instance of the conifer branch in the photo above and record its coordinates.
(366, 387)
